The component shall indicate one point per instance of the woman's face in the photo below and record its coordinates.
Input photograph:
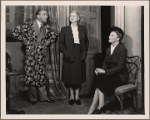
(113, 37)
(74, 18)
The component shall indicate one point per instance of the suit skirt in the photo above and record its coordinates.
(108, 84)
(76, 70)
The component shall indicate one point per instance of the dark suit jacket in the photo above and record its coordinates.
(66, 41)
(115, 64)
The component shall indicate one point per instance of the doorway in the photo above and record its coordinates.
(107, 21)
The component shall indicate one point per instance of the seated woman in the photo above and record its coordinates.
(113, 72)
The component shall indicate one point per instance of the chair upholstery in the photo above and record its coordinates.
(125, 88)
(133, 65)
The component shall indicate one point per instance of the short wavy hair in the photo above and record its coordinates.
(76, 14)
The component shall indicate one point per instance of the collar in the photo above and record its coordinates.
(74, 26)
(39, 23)
(113, 46)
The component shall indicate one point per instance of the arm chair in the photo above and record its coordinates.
(133, 65)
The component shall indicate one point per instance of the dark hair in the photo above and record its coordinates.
(119, 32)
(38, 12)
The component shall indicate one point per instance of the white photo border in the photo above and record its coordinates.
(60, 3)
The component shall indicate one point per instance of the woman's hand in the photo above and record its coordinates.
(96, 71)
(99, 71)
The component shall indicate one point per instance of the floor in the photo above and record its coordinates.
(62, 107)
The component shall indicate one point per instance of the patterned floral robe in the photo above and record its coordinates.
(35, 56)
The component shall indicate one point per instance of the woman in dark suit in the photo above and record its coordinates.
(113, 72)
(74, 45)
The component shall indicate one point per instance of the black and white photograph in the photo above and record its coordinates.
(75, 59)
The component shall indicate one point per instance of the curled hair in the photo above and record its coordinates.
(120, 36)
(76, 14)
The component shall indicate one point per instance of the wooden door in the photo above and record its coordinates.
(91, 18)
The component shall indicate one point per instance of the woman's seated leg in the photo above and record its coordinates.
(101, 99)
(101, 103)
(94, 102)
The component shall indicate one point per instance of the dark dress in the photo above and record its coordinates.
(116, 73)
(73, 69)
(77, 69)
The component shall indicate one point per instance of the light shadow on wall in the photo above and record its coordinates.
(128, 42)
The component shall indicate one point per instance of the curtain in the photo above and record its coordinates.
(56, 87)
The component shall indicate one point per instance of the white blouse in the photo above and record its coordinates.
(112, 48)
(75, 33)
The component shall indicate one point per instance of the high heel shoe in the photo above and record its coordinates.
(97, 111)
(71, 102)
(78, 102)
(91, 111)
